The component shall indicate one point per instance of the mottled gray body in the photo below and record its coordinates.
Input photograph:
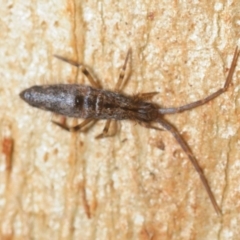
(81, 101)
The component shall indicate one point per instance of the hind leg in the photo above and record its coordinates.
(75, 128)
(84, 70)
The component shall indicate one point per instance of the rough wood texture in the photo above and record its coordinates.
(138, 184)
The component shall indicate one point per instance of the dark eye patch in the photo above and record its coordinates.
(78, 101)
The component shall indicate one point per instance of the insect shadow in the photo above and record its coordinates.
(93, 103)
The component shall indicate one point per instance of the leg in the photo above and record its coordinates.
(193, 160)
(84, 70)
(117, 88)
(75, 128)
(122, 72)
(105, 130)
(146, 96)
(210, 97)
(148, 125)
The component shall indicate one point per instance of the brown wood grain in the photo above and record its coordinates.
(138, 184)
